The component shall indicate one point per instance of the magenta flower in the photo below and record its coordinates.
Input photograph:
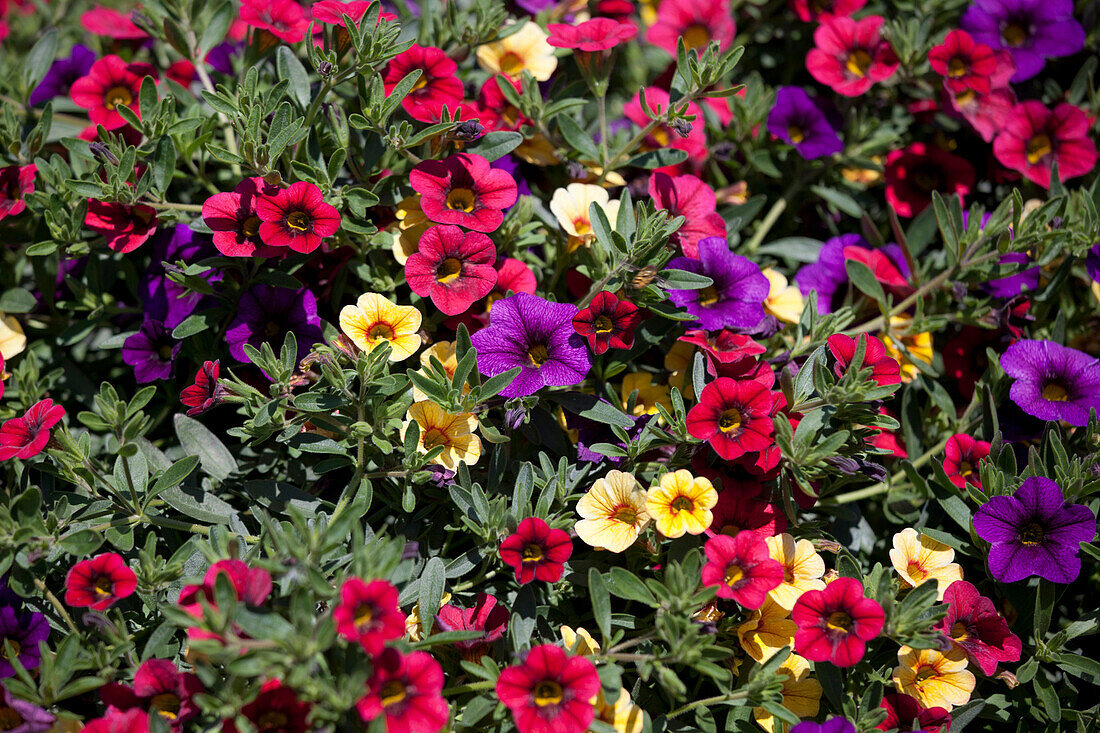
(1053, 382)
(486, 616)
(296, 217)
(741, 568)
(691, 198)
(836, 623)
(453, 267)
(464, 190)
(973, 624)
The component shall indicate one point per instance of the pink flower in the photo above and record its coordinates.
(536, 551)
(598, 34)
(741, 568)
(100, 582)
(110, 83)
(551, 691)
(453, 267)
(962, 454)
(836, 623)
(284, 19)
(110, 23)
(296, 217)
(695, 144)
(407, 689)
(15, 183)
(698, 22)
(691, 198)
(884, 369)
(850, 55)
(1035, 137)
(437, 87)
(25, 437)
(464, 190)
(125, 227)
(368, 613)
(233, 219)
(973, 624)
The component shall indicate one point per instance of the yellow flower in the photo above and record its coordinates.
(801, 694)
(649, 394)
(613, 512)
(571, 207)
(414, 629)
(918, 345)
(537, 150)
(935, 679)
(526, 49)
(784, 301)
(12, 340)
(802, 568)
(767, 630)
(445, 352)
(411, 225)
(373, 319)
(866, 176)
(439, 427)
(918, 558)
(681, 503)
(583, 642)
(678, 361)
(624, 716)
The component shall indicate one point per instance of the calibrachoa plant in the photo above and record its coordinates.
(533, 366)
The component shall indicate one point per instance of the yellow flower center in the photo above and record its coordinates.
(166, 704)
(1031, 534)
(965, 469)
(696, 36)
(625, 514)
(420, 83)
(380, 330)
(511, 63)
(924, 673)
(1055, 392)
(708, 296)
(364, 612)
(251, 226)
(461, 199)
(681, 504)
(788, 574)
(582, 226)
(859, 62)
(838, 621)
(603, 324)
(548, 692)
(916, 571)
(1014, 34)
(538, 354)
(660, 134)
(959, 631)
(298, 221)
(965, 98)
(10, 719)
(116, 96)
(393, 692)
(734, 573)
(729, 420)
(532, 553)
(448, 270)
(796, 134)
(272, 719)
(165, 353)
(956, 67)
(15, 647)
(1038, 148)
(103, 585)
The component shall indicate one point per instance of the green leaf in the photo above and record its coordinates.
(601, 602)
(841, 201)
(17, 300)
(578, 139)
(431, 592)
(685, 280)
(658, 158)
(495, 145)
(175, 474)
(594, 408)
(198, 504)
(626, 584)
(39, 59)
(196, 440)
(216, 28)
(862, 277)
(290, 69)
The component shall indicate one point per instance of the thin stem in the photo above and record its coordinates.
(773, 214)
(170, 206)
(41, 585)
(883, 487)
(602, 106)
(728, 697)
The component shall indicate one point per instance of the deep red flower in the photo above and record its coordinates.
(741, 568)
(836, 623)
(276, 709)
(963, 63)
(735, 416)
(206, 393)
(182, 72)
(850, 55)
(1034, 137)
(597, 34)
(25, 437)
(15, 183)
(819, 10)
(882, 267)
(464, 190)
(505, 115)
(284, 19)
(551, 691)
(100, 582)
(884, 369)
(233, 219)
(159, 687)
(962, 454)
(111, 82)
(662, 136)
(740, 507)
(691, 198)
(406, 688)
(118, 721)
(110, 23)
(729, 354)
(608, 322)
(486, 616)
(125, 227)
(698, 22)
(902, 711)
(536, 551)
(973, 624)
(914, 173)
(253, 586)
(296, 217)
(454, 267)
(436, 88)
(368, 613)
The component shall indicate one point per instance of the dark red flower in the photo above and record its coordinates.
(15, 183)
(182, 72)
(454, 267)
(902, 711)
(963, 63)
(973, 624)
(118, 721)
(437, 87)
(332, 12)
(734, 416)
(25, 437)
(253, 586)
(486, 616)
(729, 354)
(111, 82)
(368, 613)
(296, 217)
(551, 691)
(159, 687)
(850, 55)
(407, 689)
(233, 219)
(597, 34)
(913, 174)
(836, 623)
(536, 551)
(100, 582)
(125, 227)
(884, 369)
(506, 116)
(464, 190)
(962, 454)
(608, 322)
(740, 507)
(206, 393)
(284, 19)
(741, 568)
(1034, 137)
(697, 22)
(691, 198)
(276, 709)
(886, 439)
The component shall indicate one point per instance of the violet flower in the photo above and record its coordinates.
(1053, 382)
(265, 314)
(1030, 30)
(800, 120)
(1092, 263)
(62, 74)
(151, 351)
(735, 299)
(1034, 532)
(23, 629)
(1012, 285)
(19, 716)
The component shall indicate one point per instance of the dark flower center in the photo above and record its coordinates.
(1014, 34)
(251, 226)
(298, 221)
(916, 571)
(729, 420)
(511, 63)
(696, 36)
(734, 574)
(116, 96)
(788, 574)
(10, 719)
(532, 553)
(165, 352)
(926, 179)
(959, 631)
(838, 621)
(271, 329)
(1031, 534)
(381, 331)
(796, 134)
(461, 199)
(1038, 147)
(434, 437)
(603, 324)
(1055, 392)
(103, 586)
(548, 692)
(16, 647)
(924, 673)
(166, 704)
(538, 354)
(708, 296)
(859, 62)
(965, 469)
(956, 67)
(448, 270)
(681, 504)
(625, 514)
(392, 693)
(364, 613)
(272, 720)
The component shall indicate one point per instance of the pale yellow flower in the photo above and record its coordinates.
(411, 225)
(12, 340)
(918, 345)
(649, 394)
(624, 716)
(444, 351)
(681, 504)
(440, 428)
(802, 568)
(935, 679)
(678, 361)
(571, 207)
(918, 558)
(784, 301)
(579, 641)
(767, 630)
(613, 512)
(373, 320)
(524, 50)
(414, 629)
(801, 694)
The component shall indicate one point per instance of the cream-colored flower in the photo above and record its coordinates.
(802, 568)
(767, 630)
(414, 629)
(784, 301)
(12, 340)
(571, 207)
(919, 558)
(624, 716)
(411, 225)
(579, 641)
(526, 49)
(613, 512)
(935, 679)
(374, 319)
(649, 394)
(801, 694)
(440, 428)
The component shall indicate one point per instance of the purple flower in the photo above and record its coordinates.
(827, 277)
(1030, 30)
(833, 725)
(166, 300)
(536, 335)
(62, 74)
(151, 351)
(1092, 263)
(19, 716)
(23, 629)
(734, 300)
(1012, 285)
(265, 314)
(1034, 532)
(1053, 382)
(799, 120)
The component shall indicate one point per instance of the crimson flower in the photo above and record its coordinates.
(207, 392)
(110, 83)
(276, 709)
(253, 586)
(368, 613)
(437, 87)
(902, 711)
(1034, 137)
(608, 322)
(99, 583)
(741, 508)
(464, 190)
(836, 623)
(25, 437)
(536, 551)
(159, 687)
(913, 174)
(118, 721)
(819, 10)
(486, 616)
(734, 416)
(884, 369)
(233, 219)
(15, 183)
(296, 217)
(407, 689)
(125, 227)
(961, 456)
(551, 691)
(850, 55)
(597, 34)
(698, 22)
(691, 198)
(741, 568)
(729, 354)
(973, 624)
(882, 267)
(964, 63)
(101, 21)
(506, 116)
(332, 12)
(454, 267)
(284, 19)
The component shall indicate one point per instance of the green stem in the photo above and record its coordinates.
(472, 687)
(602, 106)
(728, 697)
(38, 583)
(883, 487)
(773, 214)
(169, 206)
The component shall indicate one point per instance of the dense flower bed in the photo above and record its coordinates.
(549, 366)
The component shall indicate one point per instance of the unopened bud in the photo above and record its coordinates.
(681, 127)
(325, 69)
(141, 20)
(103, 153)
(1008, 678)
(273, 178)
(469, 130)
(577, 171)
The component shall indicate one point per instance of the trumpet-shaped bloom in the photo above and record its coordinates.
(296, 217)
(406, 689)
(608, 322)
(691, 198)
(918, 347)
(851, 55)
(100, 582)
(437, 87)
(623, 715)
(591, 36)
(550, 691)
(914, 173)
(973, 625)
(526, 50)
(15, 183)
(23, 630)
(918, 558)
(441, 428)
(649, 394)
(265, 314)
(905, 713)
(368, 614)
(111, 83)
(453, 267)
(25, 437)
(374, 320)
(487, 615)
(1034, 137)
(736, 297)
(784, 301)
(284, 19)
(1031, 30)
(571, 207)
(613, 512)
(698, 22)
(801, 121)
(124, 227)
(741, 568)
(964, 63)
(1053, 382)
(464, 190)
(767, 630)
(836, 623)
(961, 456)
(681, 503)
(884, 369)
(159, 688)
(734, 416)
(233, 219)
(802, 568)
(933, 678)
(536, 551)
(206, 392)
